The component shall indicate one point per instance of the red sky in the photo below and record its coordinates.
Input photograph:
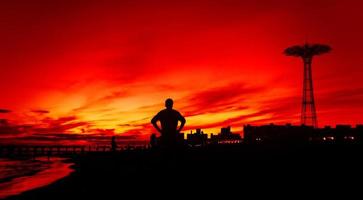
(106, 67)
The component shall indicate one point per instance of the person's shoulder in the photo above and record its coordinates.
(162, 111)
(176, 112)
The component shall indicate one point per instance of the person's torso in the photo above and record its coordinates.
(169, 120)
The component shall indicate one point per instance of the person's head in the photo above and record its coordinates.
(169, 103)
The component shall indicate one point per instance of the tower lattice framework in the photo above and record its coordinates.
(308, 110)
(307, 52)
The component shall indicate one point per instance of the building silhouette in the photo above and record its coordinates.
(272, 133)
(226, 137)
(289, 134)
(341, 134)
(198, 138)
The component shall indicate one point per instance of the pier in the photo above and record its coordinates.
(59, 150)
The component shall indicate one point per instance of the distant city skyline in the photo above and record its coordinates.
(105, 68)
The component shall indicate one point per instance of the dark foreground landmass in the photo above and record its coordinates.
(219, 171)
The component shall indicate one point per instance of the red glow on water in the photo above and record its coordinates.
(56, 171)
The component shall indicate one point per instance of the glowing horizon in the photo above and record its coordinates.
(106, 68)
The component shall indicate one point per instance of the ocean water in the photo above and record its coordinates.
(18, 176)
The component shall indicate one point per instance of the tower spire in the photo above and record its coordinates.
(307, 52)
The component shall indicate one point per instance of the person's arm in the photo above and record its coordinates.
(182, 122)
(154, 121)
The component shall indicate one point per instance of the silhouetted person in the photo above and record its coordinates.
(113, 144)
(169, 119)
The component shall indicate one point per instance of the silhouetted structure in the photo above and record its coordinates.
(33, 151)
(197, 139)
(226, 137)
(288, 134)
(153, 140)
(341, 134)
(281, 134)
(169, 118)
(307, 52)
(113, 144)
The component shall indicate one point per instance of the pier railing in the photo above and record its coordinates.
(6, 151)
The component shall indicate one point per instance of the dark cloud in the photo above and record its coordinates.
(60, 125)
(7, 129)
(101, 132)
(3, 122)
(341, 98)
(4, 110)
(45, 126)
(235, 121)
(60, 128)
(61, 120)
(40, 111)
(59, 131)
(135, 123)
(102, 100)
(124, 125)
(280, 111)
(224, 98)
(140, 131)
